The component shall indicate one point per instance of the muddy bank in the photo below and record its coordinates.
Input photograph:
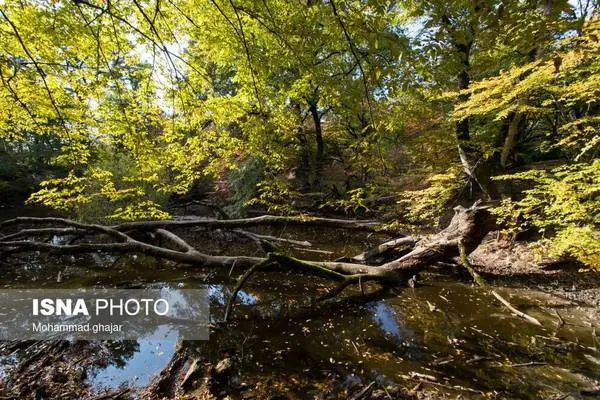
(518, 264)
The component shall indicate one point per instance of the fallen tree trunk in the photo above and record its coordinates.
(210, 223)
(384, 250)
(468, 226)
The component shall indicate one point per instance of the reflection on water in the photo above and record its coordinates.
(247, 298)
(220, 294)
(217, 295)
(5, 364)
(464, 340)
(388, 320)
(152, 353)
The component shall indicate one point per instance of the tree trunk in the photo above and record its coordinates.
(320, 153)
(302, 172)
(477, 168)
(512, 136)
(462, 126)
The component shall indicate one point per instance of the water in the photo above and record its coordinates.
(449, 332)
(152, 353)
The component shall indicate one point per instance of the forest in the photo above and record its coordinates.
(385, 198)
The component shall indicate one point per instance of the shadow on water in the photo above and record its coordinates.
(449, 332)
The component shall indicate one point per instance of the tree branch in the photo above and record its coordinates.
(264, 220)
(39, 70)
(468, 227)
(483, 284)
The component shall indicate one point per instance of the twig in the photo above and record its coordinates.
(240, 283)
(253, 235)
(528, 364)
(360, 285)
(190, 371)
(386, 391)
(232, 267)
(482, 333)
(456, 387)
(515, 311)
(482, 283)
(242, 346)
(363, 392)
(561, 321)
(314, 250)
(355, 347)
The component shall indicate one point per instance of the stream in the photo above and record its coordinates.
(449, 335)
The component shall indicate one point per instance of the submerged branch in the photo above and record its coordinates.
(239, 285)
(483, 284)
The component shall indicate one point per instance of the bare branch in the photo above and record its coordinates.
(383, 248)
(467, 228)
(355, 54)
(63, 221)
(268, 238)
(41, 231)
(264, 220)
(240, 283)
(176, 240)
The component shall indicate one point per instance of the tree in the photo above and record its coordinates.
(559, 91)
(178, 90)
(465, 40)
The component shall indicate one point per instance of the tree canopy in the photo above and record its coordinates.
(119, 106)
